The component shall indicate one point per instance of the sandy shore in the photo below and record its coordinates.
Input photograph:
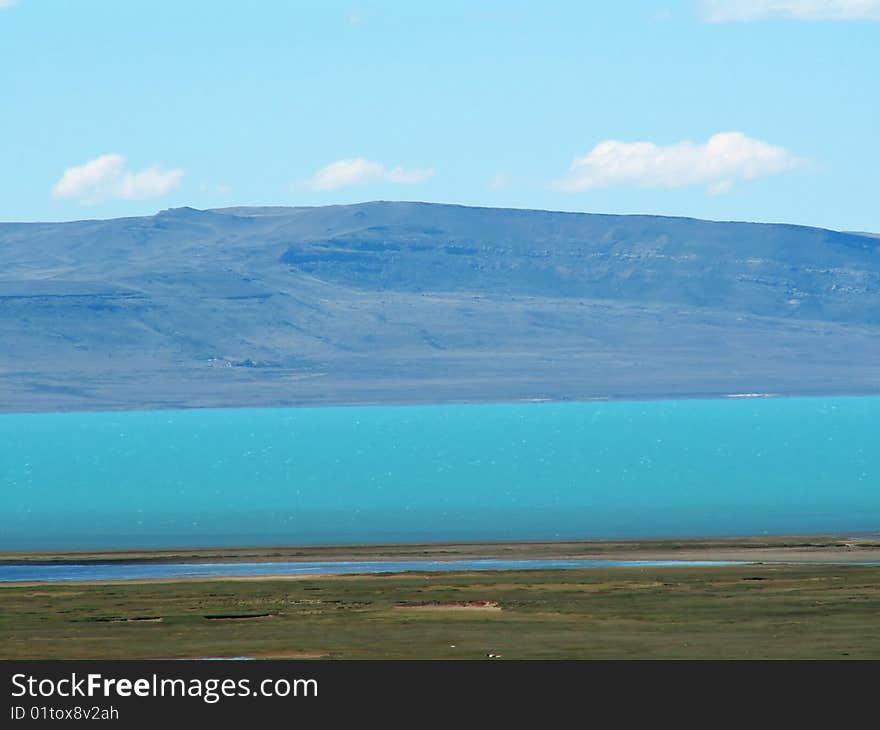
(799, 549)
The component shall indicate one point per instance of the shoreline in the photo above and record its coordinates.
(713, 395)
(790, 549)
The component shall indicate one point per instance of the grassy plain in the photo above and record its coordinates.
(730, 612)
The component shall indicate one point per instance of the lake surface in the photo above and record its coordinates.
(439, 473)
(142, 571)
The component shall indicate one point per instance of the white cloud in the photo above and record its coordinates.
(359, 171)
(722, 11)
(723, 160)
(7, 3)
(106, 177)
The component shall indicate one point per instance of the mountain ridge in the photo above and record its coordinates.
(264, 210)
(404, 302)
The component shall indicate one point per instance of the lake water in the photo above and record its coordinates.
(145, 571)
(439, 473)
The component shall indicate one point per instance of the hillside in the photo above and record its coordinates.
(413, 302)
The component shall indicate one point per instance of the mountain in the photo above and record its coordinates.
(390, 302)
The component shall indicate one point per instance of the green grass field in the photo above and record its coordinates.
(730, 612)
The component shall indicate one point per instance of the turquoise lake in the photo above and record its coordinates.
(436, 473)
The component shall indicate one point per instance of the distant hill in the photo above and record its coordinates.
(412, 302)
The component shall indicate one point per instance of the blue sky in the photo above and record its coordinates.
(764, 110)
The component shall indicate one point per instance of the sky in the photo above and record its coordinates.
(759, 110)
